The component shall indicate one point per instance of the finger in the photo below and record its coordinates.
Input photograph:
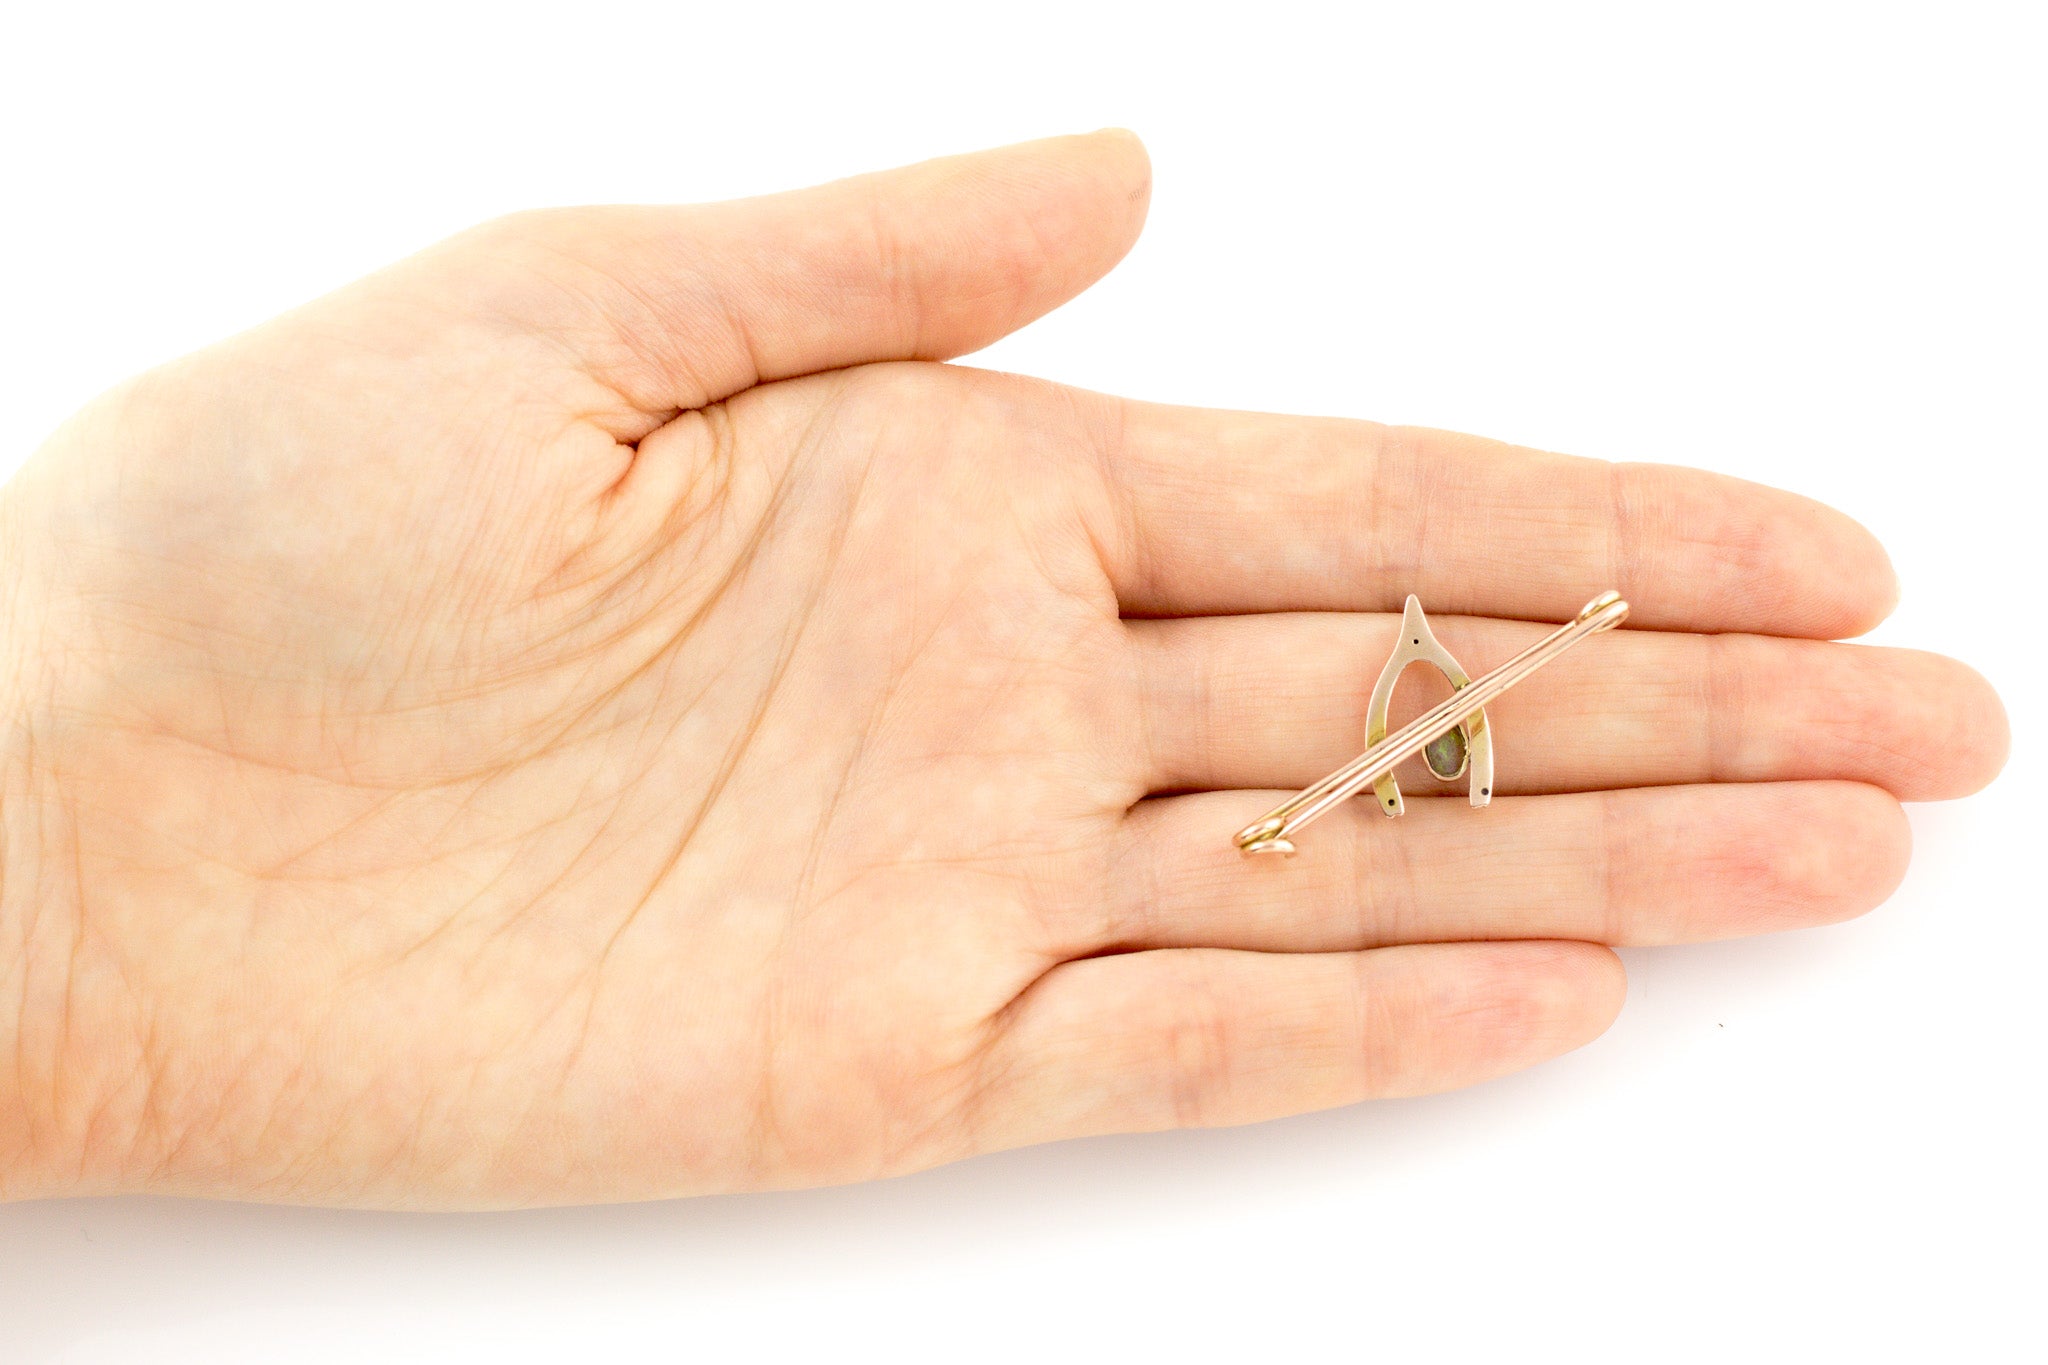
(1280, 700)
(1202, 1037)
(676, 307)
(1655, 865)
(1226, 512)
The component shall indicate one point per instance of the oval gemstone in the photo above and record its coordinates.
(1445, 754)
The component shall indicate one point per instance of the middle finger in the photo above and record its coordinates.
(1279, 701)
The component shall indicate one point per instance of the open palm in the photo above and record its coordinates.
(595, 711)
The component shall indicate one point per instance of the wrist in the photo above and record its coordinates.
(41, 1151)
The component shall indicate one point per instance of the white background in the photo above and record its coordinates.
(1800, 243)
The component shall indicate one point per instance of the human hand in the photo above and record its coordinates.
(595, 712)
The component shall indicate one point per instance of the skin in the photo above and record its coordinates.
(597, 711)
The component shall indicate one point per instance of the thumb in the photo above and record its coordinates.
(673, 308)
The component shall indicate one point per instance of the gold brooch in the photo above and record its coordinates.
(1453, 736)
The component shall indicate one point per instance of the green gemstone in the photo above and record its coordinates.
(1446, 754)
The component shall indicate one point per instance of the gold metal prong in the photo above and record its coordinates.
(1602, 606)
(1265, 831)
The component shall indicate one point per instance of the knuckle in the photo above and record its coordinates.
(1198, 1043)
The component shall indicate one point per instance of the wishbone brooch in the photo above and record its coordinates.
(1469, 744)
(1454, 736)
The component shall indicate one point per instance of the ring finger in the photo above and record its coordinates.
(1652, 865)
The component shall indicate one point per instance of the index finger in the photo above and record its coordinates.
(1222, 513)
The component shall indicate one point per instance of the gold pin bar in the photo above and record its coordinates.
(1274, 833)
